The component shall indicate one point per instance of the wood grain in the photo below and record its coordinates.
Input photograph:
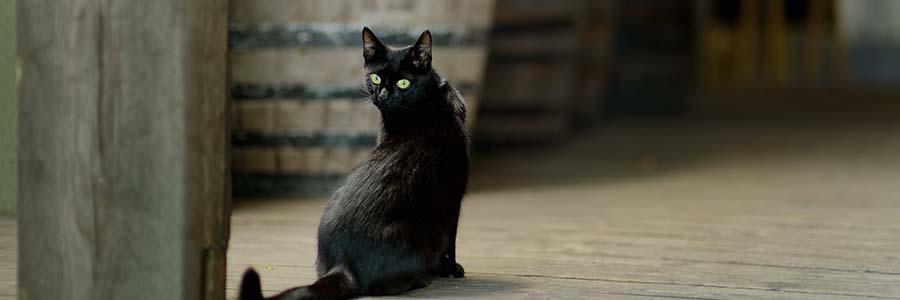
(56, 95)
(123, 190)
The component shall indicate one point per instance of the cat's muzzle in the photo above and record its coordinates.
(382, 95)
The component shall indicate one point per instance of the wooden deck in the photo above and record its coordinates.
(725, 209)
(693, 210)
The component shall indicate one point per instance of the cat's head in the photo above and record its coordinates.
(399, 79)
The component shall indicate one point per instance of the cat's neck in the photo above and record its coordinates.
(418, 127)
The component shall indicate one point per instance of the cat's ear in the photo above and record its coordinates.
(421, 51)
(372, 47)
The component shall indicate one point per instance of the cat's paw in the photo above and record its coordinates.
(452, 269)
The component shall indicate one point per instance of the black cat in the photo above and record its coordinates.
(392, 226)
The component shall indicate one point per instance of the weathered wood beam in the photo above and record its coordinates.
(123, 140)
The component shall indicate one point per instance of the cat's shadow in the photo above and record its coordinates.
(473, 286)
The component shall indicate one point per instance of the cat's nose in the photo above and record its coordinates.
(382, 94)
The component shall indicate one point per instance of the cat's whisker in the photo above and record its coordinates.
(360, 104)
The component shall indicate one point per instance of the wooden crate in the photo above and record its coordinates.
(301, 122)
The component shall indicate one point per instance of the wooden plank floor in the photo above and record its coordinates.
(716, 209)
(724, 209)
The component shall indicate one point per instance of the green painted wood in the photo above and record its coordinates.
(7, 107)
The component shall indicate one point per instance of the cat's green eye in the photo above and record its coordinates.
(403, 83)
(375, 78)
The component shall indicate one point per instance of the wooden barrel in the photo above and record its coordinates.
(596, 47)
(530, 77)
(300, 121)
(652, 72)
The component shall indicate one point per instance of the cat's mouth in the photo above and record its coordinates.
(380, 98)
(379, 102)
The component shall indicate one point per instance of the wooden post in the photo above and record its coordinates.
(123, 190)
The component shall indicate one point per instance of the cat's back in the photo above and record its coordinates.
(400, 174)
(405, 175)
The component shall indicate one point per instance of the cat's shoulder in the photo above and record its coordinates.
(450, 92)
(454, 98)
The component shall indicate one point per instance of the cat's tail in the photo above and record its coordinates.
(338, 284)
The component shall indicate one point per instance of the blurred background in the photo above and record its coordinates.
(537, 74)
(714, 149)
(703, 149)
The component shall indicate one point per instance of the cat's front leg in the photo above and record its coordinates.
(449, 266)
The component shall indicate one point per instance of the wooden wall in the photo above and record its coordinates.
(123, 190)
